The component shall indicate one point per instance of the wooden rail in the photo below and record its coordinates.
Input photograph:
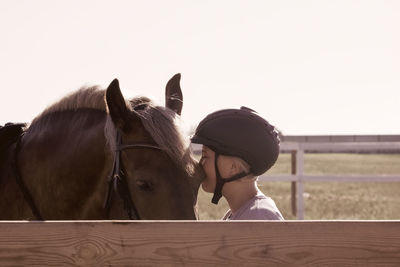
(298, 177)
(299, 145)
(339, 138)
(200, 243)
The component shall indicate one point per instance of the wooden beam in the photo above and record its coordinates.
(351, 146)
(352, 178)
(331, 178)
(200, 243)
(299, 184)
(293, 184)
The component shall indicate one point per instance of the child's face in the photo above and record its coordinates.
(208, 163)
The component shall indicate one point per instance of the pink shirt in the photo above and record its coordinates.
(259, 207)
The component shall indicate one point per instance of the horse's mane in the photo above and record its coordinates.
(86, 97)
(164, 126)
(161, 123)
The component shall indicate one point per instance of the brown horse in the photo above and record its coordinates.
(94, 155)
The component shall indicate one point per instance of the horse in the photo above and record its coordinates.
(94, 155)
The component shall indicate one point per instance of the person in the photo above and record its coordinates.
(238, 146)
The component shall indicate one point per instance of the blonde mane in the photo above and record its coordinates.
(164, 126)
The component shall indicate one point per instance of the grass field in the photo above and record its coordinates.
(330, 200)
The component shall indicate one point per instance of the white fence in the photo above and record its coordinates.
(298, 177)
(298, 145)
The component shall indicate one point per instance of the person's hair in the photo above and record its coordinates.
(242, 164)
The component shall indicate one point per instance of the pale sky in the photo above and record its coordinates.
(309, 67)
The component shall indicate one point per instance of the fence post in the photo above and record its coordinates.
(299, 183)
(293, 188)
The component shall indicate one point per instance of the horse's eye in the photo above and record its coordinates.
(145, 185)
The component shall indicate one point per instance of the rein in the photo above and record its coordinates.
(116, 179)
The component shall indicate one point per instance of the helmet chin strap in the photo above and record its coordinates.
(220, 182)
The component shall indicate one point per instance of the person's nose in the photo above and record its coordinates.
(201, 162)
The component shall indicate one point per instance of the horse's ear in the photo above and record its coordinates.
(173, 94)
(116, 104)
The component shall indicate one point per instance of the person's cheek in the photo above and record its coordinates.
(203, 186)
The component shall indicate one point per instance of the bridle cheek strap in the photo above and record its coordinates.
(118, 182)
(220, 181)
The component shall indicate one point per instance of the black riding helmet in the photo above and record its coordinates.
(241, 133)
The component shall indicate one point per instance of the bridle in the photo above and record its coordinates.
(116, 179)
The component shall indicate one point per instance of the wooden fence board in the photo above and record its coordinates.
(200, 243)
(340, 138)
(330, 178)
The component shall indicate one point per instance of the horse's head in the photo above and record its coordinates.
(155, 162)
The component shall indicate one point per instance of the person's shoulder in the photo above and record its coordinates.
(263, 213)
(263, 208)
(259, 214)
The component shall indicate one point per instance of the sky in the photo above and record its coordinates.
(309, 67)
